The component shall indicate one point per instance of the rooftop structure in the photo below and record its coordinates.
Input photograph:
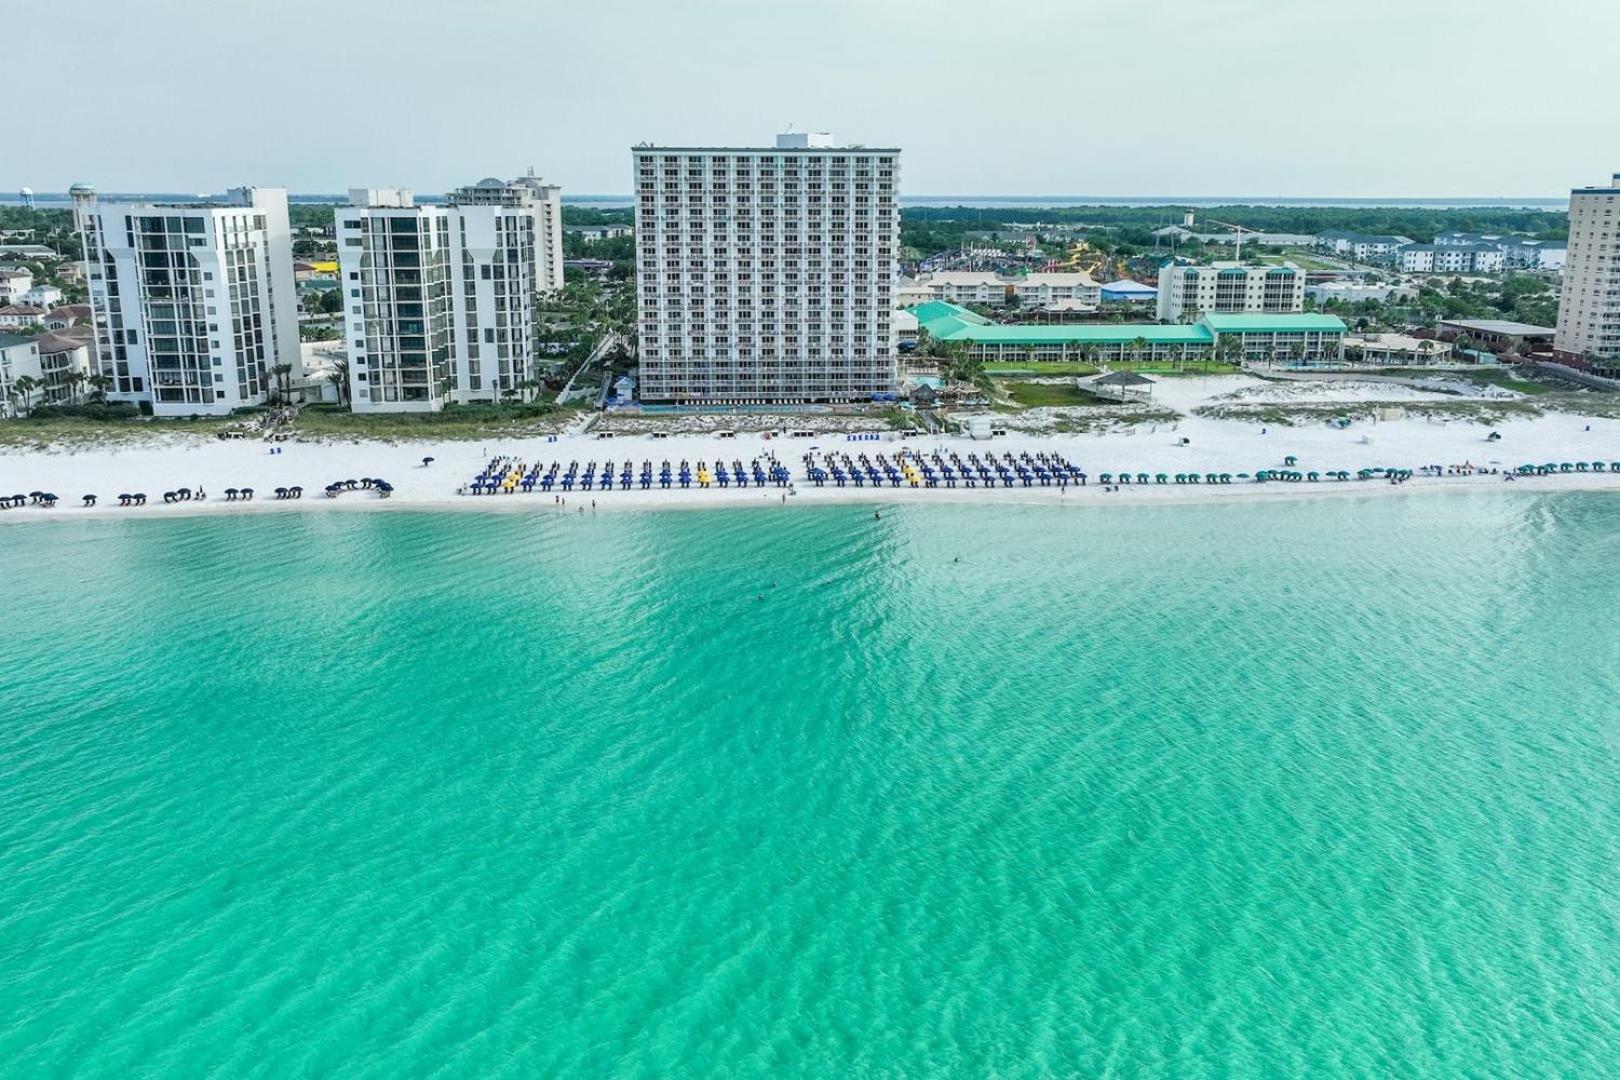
(1499, 332)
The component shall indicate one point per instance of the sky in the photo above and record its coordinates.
(1346, 98)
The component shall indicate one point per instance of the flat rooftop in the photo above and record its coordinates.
(1506, 327)
(852, 147)
(948, 322)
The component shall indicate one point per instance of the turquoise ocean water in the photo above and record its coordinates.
(1300, 788)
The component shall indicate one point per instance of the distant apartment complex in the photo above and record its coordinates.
(1450, 259)
(439, 300)
(1589, 309)
(1186, 292)
(1451, 252)
(193, 302)
(1518, 252)
(766, 275)
(1365, 247)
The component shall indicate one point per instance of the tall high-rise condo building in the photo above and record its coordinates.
(193, 302)
(439, 299)
(1589, 307)
(766, 276)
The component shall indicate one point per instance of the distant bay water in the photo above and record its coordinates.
(60, 199)
(1321, 788)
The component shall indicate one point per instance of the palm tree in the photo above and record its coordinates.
(1177, 354)
(23, 387)
(339, 377)
(1425, 347)
(1139, 346)
(99, 385)
(283, 374)
(74, 380)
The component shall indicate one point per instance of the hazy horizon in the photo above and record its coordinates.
(1100, 100)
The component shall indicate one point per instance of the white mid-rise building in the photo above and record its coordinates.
(438, 300)
(966, 288)
(1186, 292)
(1056, 289)
(984, 288)
(19, 359)
(45, 296)
(766, 275)
(1589, 307)
(194, 302)
(14, 285)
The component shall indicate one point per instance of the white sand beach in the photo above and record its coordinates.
(1214, 445)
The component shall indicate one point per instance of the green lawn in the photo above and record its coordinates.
(27, 432)
(1033, 395)
(1488, 376)
(1043, 367)
(1306, 260)
(458, 422)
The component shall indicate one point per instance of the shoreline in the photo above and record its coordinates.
(656, 500)
(1196, 440)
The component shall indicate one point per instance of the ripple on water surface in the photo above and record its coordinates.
(1324, 787)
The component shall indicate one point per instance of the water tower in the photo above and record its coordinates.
(27, 197)
(84, 198)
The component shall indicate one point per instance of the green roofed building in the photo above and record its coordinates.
(1283, 338)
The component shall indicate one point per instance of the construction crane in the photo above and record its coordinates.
(1238, 231)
